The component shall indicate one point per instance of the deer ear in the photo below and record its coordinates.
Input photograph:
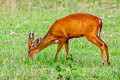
(37, 41)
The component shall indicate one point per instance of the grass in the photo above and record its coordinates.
(16, 24)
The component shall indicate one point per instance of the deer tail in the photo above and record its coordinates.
(100, 28)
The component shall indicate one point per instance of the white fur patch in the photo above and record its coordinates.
(35, 55)
(98, 33)
(56, 41)
(99, 21)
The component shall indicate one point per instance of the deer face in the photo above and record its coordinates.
(32, 44)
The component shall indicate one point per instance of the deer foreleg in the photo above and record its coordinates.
(60, 44)
(67, 48)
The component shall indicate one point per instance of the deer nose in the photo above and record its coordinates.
(30, 55)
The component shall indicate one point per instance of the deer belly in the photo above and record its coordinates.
(75, 35)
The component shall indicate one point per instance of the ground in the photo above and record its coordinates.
(84, 57)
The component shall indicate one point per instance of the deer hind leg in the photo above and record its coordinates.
(67, 48)
(60, 44)
(93, 38)
(106, 50)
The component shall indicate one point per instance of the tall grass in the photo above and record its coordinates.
(16, 21)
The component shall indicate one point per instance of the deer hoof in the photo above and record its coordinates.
(102, 64)
(109, 63)
(54, 59)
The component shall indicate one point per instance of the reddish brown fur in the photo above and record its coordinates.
(73, 26)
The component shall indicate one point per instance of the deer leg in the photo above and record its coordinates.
(98, 43)
(67, 48)
(60, 44)
(106, 50)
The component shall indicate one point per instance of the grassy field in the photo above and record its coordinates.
(37, 17)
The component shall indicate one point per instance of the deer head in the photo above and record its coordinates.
(32, 44)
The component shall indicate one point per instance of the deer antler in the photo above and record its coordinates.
(29, 36)
(32, 36)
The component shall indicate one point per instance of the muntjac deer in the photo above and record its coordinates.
(72, 26)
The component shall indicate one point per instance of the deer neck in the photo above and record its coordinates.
(45, 42)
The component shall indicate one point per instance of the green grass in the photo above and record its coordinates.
(15, 26)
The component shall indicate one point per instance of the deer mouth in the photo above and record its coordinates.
(33, 55)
